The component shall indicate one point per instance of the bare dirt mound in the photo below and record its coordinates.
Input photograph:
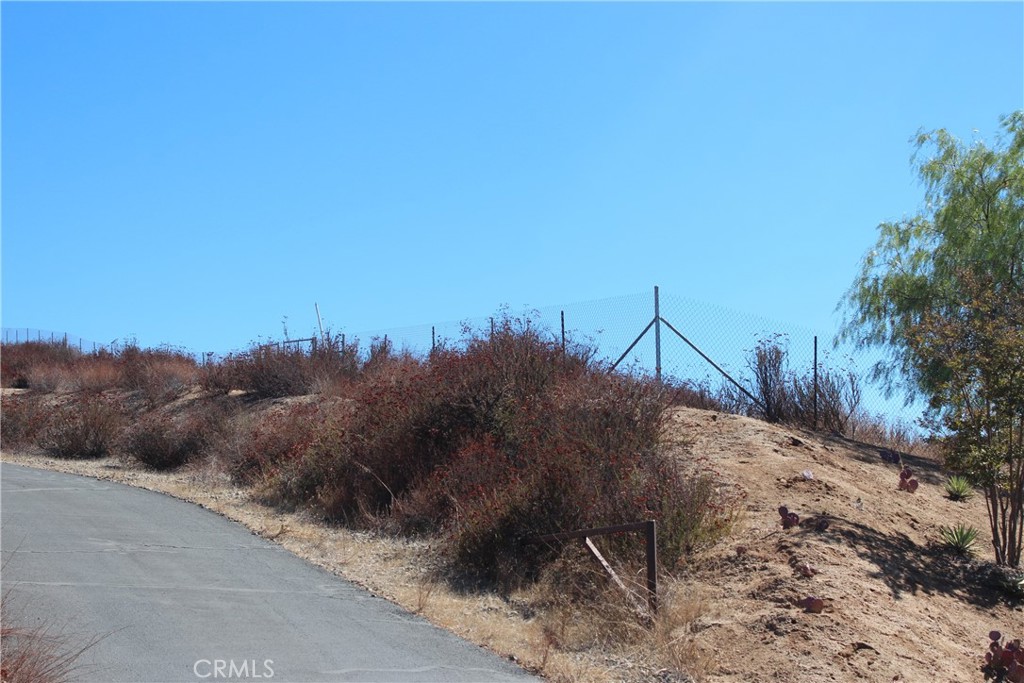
(896, 606)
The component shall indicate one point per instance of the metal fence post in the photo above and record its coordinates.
(651, 541)
(657, 335)
(563, 333)
(815, 381)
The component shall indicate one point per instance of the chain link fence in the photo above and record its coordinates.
(684, 341)
(18, 335)
(653, 333)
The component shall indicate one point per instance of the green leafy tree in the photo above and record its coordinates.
(943, 292)
(976, 360)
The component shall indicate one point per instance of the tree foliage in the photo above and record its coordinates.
(976, 361)
(944, 291)
(972, 224)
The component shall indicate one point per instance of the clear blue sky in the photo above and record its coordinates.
(191, 173)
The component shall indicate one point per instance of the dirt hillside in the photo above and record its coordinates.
(896, 607)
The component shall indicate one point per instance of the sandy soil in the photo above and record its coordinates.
(896, 608)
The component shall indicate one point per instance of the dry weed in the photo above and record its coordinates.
(672, 636)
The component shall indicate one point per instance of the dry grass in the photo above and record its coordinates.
(462, 455)
(599, 639)
(40, 655)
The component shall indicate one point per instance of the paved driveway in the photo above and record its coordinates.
(182, 594)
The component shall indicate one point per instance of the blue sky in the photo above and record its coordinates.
(192, 173)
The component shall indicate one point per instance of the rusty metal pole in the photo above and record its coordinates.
(563, 333)
(815, 381)
(657, 335)
(651, 538)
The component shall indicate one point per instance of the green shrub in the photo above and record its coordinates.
(959, 539)
(958, 487)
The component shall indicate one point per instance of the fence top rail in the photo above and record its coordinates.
(583, 533)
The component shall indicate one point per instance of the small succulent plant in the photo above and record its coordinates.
(959, 539)
(958, 487)
(789, 519)
(1004, 662)
(907, 482)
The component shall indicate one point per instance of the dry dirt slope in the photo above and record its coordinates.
(896, 607)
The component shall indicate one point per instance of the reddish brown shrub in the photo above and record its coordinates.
(271, 370)
(85, 427)
(23, 419)
(163, 442)
(17, 361)
(503, 439)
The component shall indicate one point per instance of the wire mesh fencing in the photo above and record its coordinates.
(683, 342)
(700, 345)
(18, 335)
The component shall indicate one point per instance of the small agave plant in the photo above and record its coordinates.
(959, 539)
(958, 487)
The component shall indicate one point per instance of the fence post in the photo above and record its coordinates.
(657, 335)
(563, 333)
(815, 381)
(651, 541)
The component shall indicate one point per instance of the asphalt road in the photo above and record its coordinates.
(179, 593)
